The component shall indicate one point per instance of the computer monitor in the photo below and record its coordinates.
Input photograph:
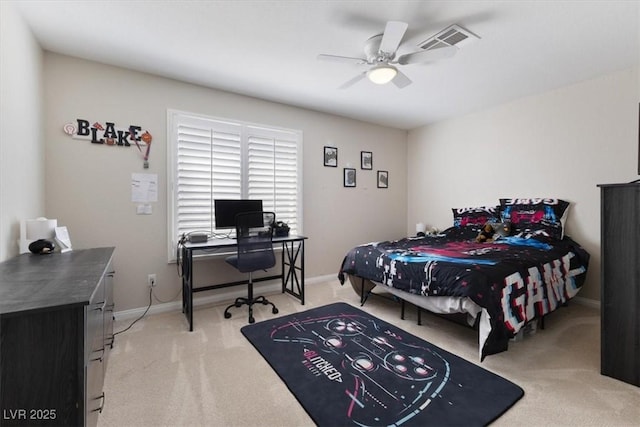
(227, 209)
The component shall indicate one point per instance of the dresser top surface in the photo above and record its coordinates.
(33, 282)
(628, 184)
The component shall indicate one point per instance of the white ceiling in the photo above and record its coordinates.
(268, 49)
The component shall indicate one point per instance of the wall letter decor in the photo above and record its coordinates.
(108, 134)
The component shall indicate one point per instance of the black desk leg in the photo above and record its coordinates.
(183, 272)
(187, 285)
(291, 282)
(190, 289)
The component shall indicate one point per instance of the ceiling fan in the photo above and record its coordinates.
(380, 51)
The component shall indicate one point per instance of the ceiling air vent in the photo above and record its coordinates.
(453, 35)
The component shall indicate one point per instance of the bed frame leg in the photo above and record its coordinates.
(402, 309)
(364, 296)
(419, 315)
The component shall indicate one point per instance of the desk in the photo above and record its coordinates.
(292, 263)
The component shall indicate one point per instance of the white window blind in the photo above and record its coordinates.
(219, 159)
(273, 172)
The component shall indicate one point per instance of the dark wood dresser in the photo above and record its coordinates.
(620, 282)
(56, 329)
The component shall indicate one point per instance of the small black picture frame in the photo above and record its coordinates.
(331, 156)
(349, 177)
(366, 160)
(383, 179)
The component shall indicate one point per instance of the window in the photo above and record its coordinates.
(211, 158)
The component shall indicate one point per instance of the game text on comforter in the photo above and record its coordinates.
(514, 279)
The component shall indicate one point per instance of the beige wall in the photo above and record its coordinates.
(21, 148)
(88, 186)
(570, 140)
(559, 144)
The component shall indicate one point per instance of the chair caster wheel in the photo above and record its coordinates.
(251, 320)
(227, 315)
(274, 311)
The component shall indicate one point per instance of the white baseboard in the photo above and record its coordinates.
(270, 287)
(587, 301)
(320, 279)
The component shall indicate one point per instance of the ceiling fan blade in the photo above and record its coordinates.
(393, 34)
(401, 80)
(336, 58)
(353, 81)
(427, 55)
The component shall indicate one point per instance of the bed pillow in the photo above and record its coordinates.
(535, 216)
(475, 217)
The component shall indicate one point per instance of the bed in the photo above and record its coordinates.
(501, 284)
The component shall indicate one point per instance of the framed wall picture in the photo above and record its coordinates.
(383, 179)
(331, 156)
(349, 177)
(366, 160)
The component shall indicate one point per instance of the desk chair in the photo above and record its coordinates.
(255, 252)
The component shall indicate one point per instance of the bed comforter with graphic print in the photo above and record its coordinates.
(514, 279)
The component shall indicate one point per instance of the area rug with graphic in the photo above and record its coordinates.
(347, 367)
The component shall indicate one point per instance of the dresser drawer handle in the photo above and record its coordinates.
(101, 355)
(102, 397)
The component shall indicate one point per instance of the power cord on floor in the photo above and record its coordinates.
(143, 314)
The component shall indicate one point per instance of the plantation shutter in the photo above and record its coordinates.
(220, 159)
(272, 159)
(209, 166)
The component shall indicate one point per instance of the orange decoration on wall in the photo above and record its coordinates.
(146, 137)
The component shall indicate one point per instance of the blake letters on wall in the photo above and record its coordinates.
(109, 134)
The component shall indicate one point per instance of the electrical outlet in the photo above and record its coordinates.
(151, 280)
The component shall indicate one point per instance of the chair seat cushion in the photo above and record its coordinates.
(260, 260)
(233, 260)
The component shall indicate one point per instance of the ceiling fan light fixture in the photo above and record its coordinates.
(382, 74)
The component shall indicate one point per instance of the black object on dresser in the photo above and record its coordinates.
(620, 282)
(56, 329)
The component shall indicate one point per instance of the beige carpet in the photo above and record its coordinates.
(161, 374)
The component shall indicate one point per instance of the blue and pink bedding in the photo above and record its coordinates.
(514, 279)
